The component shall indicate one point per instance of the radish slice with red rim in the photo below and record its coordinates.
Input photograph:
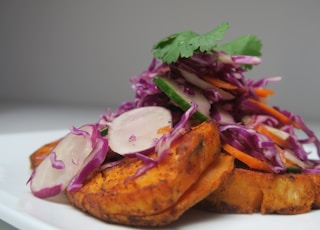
(93, 161)
(139, 129)
(77, 154)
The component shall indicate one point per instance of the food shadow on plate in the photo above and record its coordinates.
(61, 199)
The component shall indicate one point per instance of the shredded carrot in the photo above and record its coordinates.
(252, 162)
(165, 70)
(263, 92)
(281, 117)
(276, 139)
(164, 129)
(218, 82)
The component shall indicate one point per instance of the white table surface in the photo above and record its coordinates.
(21, 117)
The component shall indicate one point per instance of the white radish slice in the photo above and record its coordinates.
(278, 132)
(139, 129)
(65, 161)
(93, 161)
(195, 80)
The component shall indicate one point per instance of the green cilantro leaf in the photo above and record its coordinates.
(246, 45)
(185, 43)
(174, 46)
(208, 41)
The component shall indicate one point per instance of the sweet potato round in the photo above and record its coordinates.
(148, 199)
(247, 191)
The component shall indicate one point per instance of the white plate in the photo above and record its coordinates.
(22, 210)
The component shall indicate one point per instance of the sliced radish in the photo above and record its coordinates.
(139, 129)
(289, 155)
(195, 80)
(67, 160)
(93, 161)
(279, 133)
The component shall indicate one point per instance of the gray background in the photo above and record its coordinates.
(84, 52)
(73, 53)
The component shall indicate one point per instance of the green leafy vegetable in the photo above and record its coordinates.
(208, 41)
(246, 45)
(185, 43)
(174, 46)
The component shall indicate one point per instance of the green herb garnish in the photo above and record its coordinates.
(246, 45)
(185, 43)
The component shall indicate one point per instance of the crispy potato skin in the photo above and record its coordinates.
(151, 199)
(247, 191)
(316, 181)
(157, 202)
(209, 180)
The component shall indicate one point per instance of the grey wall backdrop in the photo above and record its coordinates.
(84, 52)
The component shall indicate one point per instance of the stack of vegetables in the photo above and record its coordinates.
(192, 70)
(191, 79)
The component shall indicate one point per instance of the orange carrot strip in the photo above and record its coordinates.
(281, 117)
(219, 83)
(276, 139)
(252, 162)
(165, 70)
(164, 129)
(263, 92)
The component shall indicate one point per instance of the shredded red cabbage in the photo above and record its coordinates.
(236, 115)
(163, 146)
(57, 164)
(148, 164)
(230, 108)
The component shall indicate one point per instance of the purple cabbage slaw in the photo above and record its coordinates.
(230, 108)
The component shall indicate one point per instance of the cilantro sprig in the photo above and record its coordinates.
(185, 43)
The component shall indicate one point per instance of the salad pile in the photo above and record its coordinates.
(191, 78)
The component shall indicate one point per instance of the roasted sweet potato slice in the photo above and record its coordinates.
(316, 181)
(210, 180)
(247, 191)
(110, 196)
